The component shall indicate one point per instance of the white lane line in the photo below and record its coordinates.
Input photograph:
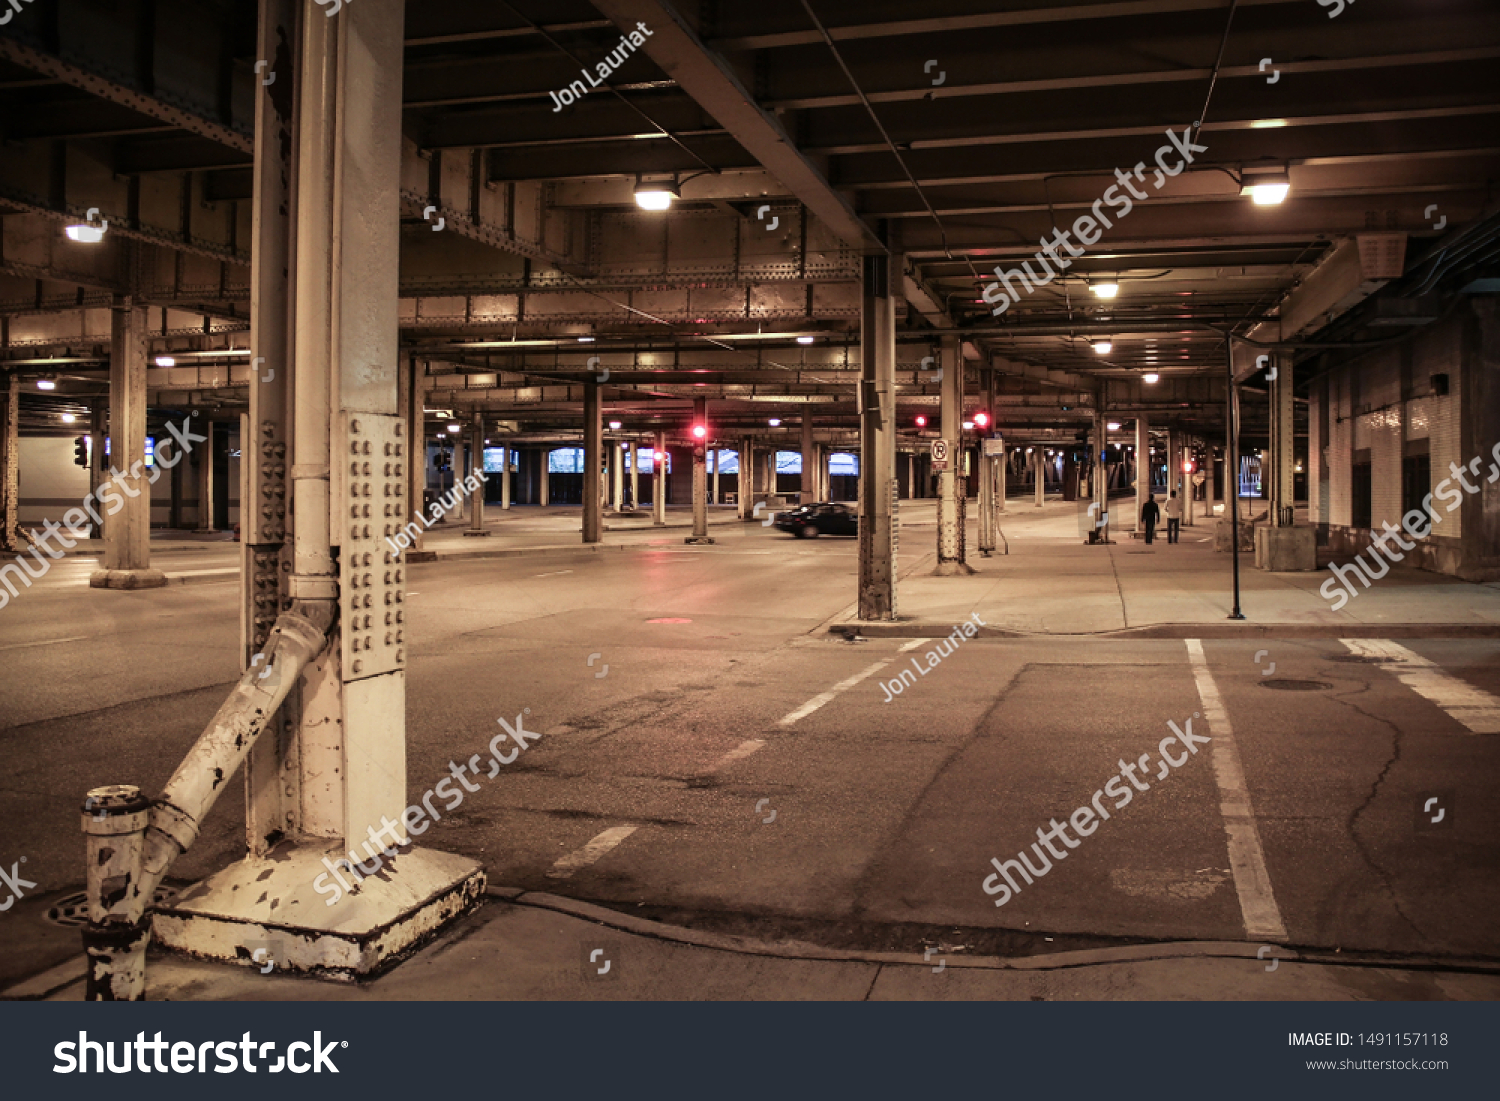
(824, 697)
(739, 753)
(44, 642)
(591, 852)
(1247, 860)
(555, 573)
(1476, 709)
(913, 644)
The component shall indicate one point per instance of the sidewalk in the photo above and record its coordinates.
(533, 946)
(1052, 582)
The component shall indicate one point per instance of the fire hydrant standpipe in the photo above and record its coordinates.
(132, 842)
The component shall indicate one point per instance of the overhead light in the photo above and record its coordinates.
(1266, 188)
(1267, 124)
(774, 423)
(1113, 426)
(804, 340)
(165, 361)
(1103, 347)
(68, 418)
(614, 426)
(1107, 289)
(455, 427)
(1150, 376)
(585, 340)
(656, 196)
(968, 426)
(45, 384)
(88, 232)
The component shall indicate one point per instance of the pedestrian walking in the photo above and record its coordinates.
(1174, 517)
(1150, 514)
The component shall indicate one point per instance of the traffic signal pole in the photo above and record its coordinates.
(700, 473)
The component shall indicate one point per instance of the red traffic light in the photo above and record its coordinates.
(921, 422)
(699, 431)
(981, 419)
(1187, 466)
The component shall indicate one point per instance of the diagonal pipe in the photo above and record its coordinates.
(132, 842)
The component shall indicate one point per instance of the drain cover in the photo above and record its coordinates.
(1295, 685)
(72, 911)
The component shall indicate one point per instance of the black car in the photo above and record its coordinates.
(811, 521)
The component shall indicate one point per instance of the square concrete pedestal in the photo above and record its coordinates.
(1284, 550)
(266, 913)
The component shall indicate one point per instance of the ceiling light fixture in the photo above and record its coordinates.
(89, 231)
(45, 384)
(1103, 347)
(1113, 426)
(68, 418)
(804, 340)
(585, 340)
(774, 423)
(656, 196)
(1266, 188)
(614, 426)
(165, 361)
(455, 427)
(1107, 289)
(1150, 376)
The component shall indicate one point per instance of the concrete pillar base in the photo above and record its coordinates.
(953, 569)
(422, 556)
(270, 903)
(127, 579)
(1222, 538)
(483, 533)
(699, 540)
(1284, 550)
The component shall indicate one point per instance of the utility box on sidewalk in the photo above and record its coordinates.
(1283, 550)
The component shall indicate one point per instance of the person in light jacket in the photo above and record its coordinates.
(1174, 516)
(1150, 514)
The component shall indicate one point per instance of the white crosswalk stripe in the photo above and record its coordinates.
(1476, 709)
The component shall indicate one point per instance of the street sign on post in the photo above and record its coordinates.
(939, 455)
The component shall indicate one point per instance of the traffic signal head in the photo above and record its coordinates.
(1187, 466)
(699, 432)
(981, 419)
(81, 450)
(921, 422)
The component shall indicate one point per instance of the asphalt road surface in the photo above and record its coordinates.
(709, 756)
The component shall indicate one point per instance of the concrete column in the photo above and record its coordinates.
(747, 473)
(1039, 462)
(1282, 453)
(659, 481)
(204, 454)
(634, 448)
(1002, 463)
(544, 494)
(1174, 463)
(11, 538)
(507, 453)
(986, 502)
(951, 549)
(825, 479)
(593, 447)
(808, 488)
(878, 518)
(771, 472)
(617, 472)
(476, 468)
(127, 533)
(714, 497)
(1142, 467)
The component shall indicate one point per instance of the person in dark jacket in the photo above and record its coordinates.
(1150, 514)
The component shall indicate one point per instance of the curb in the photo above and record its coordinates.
(851, 629)
(1055, 961)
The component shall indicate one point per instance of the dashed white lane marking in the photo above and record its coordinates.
(824, 697)
(1476, 709)
(1247, 860)
(591, 852)
(554, 573)
(738, 753)
(44, 642)
(913, 644)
